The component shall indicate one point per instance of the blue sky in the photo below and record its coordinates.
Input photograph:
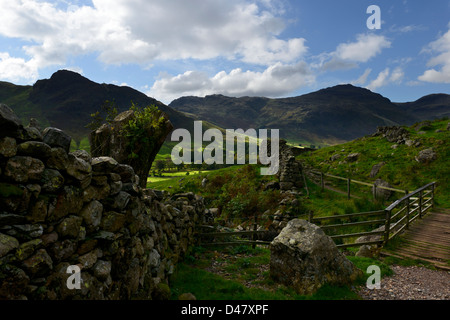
(273, 48)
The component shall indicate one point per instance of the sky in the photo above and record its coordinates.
(273, 48)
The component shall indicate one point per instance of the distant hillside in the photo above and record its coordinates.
(328, 116)
(430, 107)
(67, 100)
(397, 164)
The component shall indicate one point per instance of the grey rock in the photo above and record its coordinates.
(353, 156)
(58, 159)
(55, 137)
(126, 173)
(8, 147)
(7, 219)
(39, 264)
(304, 258)
(22, 169)
(35, 149)
(9, 121)
(112, 221)
(7, 244)
(102, 269)
(52, 180)
(335, 157)
(79, 169)
(82, 154)
(92, 214)
(103, 164)
(426, 156)
(88, 260)
(382, 193)
(69, 227)
(119, 201)
(376, 168)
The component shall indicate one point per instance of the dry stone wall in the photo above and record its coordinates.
(61, 208)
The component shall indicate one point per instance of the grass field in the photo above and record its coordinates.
(242, 273)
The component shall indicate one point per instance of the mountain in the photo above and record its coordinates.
(67, 100)
(328, 116)
(430, 107)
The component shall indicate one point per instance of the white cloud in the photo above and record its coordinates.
(349, 55)
(277, 80)
(366, 47)
(363, 78)
(386, 77)
(141, 31)
(17, 69)
(380, 81)
(442, 48)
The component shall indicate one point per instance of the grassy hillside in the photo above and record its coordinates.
(401, 169)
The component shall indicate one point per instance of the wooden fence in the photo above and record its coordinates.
(393, 220)
(388, 223)
(210, 235)
(350, 181)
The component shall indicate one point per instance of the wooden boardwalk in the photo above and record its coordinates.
(428, 239)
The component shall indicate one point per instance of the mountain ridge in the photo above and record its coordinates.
(327, 116)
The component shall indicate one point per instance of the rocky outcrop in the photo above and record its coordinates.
(393, 134)
(304, 258)
(61, 209)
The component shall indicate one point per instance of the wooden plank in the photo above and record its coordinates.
(359, 234)
(229, 243)
(346, 245)
(360, 223)
(350, 215)
(232, 233)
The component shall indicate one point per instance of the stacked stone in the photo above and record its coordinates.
(290, 172)
(61, 208)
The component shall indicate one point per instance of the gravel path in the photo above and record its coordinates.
(411, 283)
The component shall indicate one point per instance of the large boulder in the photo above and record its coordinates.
(305, 258)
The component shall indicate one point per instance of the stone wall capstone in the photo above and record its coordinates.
(61, 208)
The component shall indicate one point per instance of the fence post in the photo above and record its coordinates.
(420, 204)
(432, 196)
(374, 189)
(387, 225)
(407, 210)
(255, 227)
(311, 213)
(348, 188)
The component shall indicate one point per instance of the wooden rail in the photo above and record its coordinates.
(235, 237)
(350, 181)
(395, 218)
